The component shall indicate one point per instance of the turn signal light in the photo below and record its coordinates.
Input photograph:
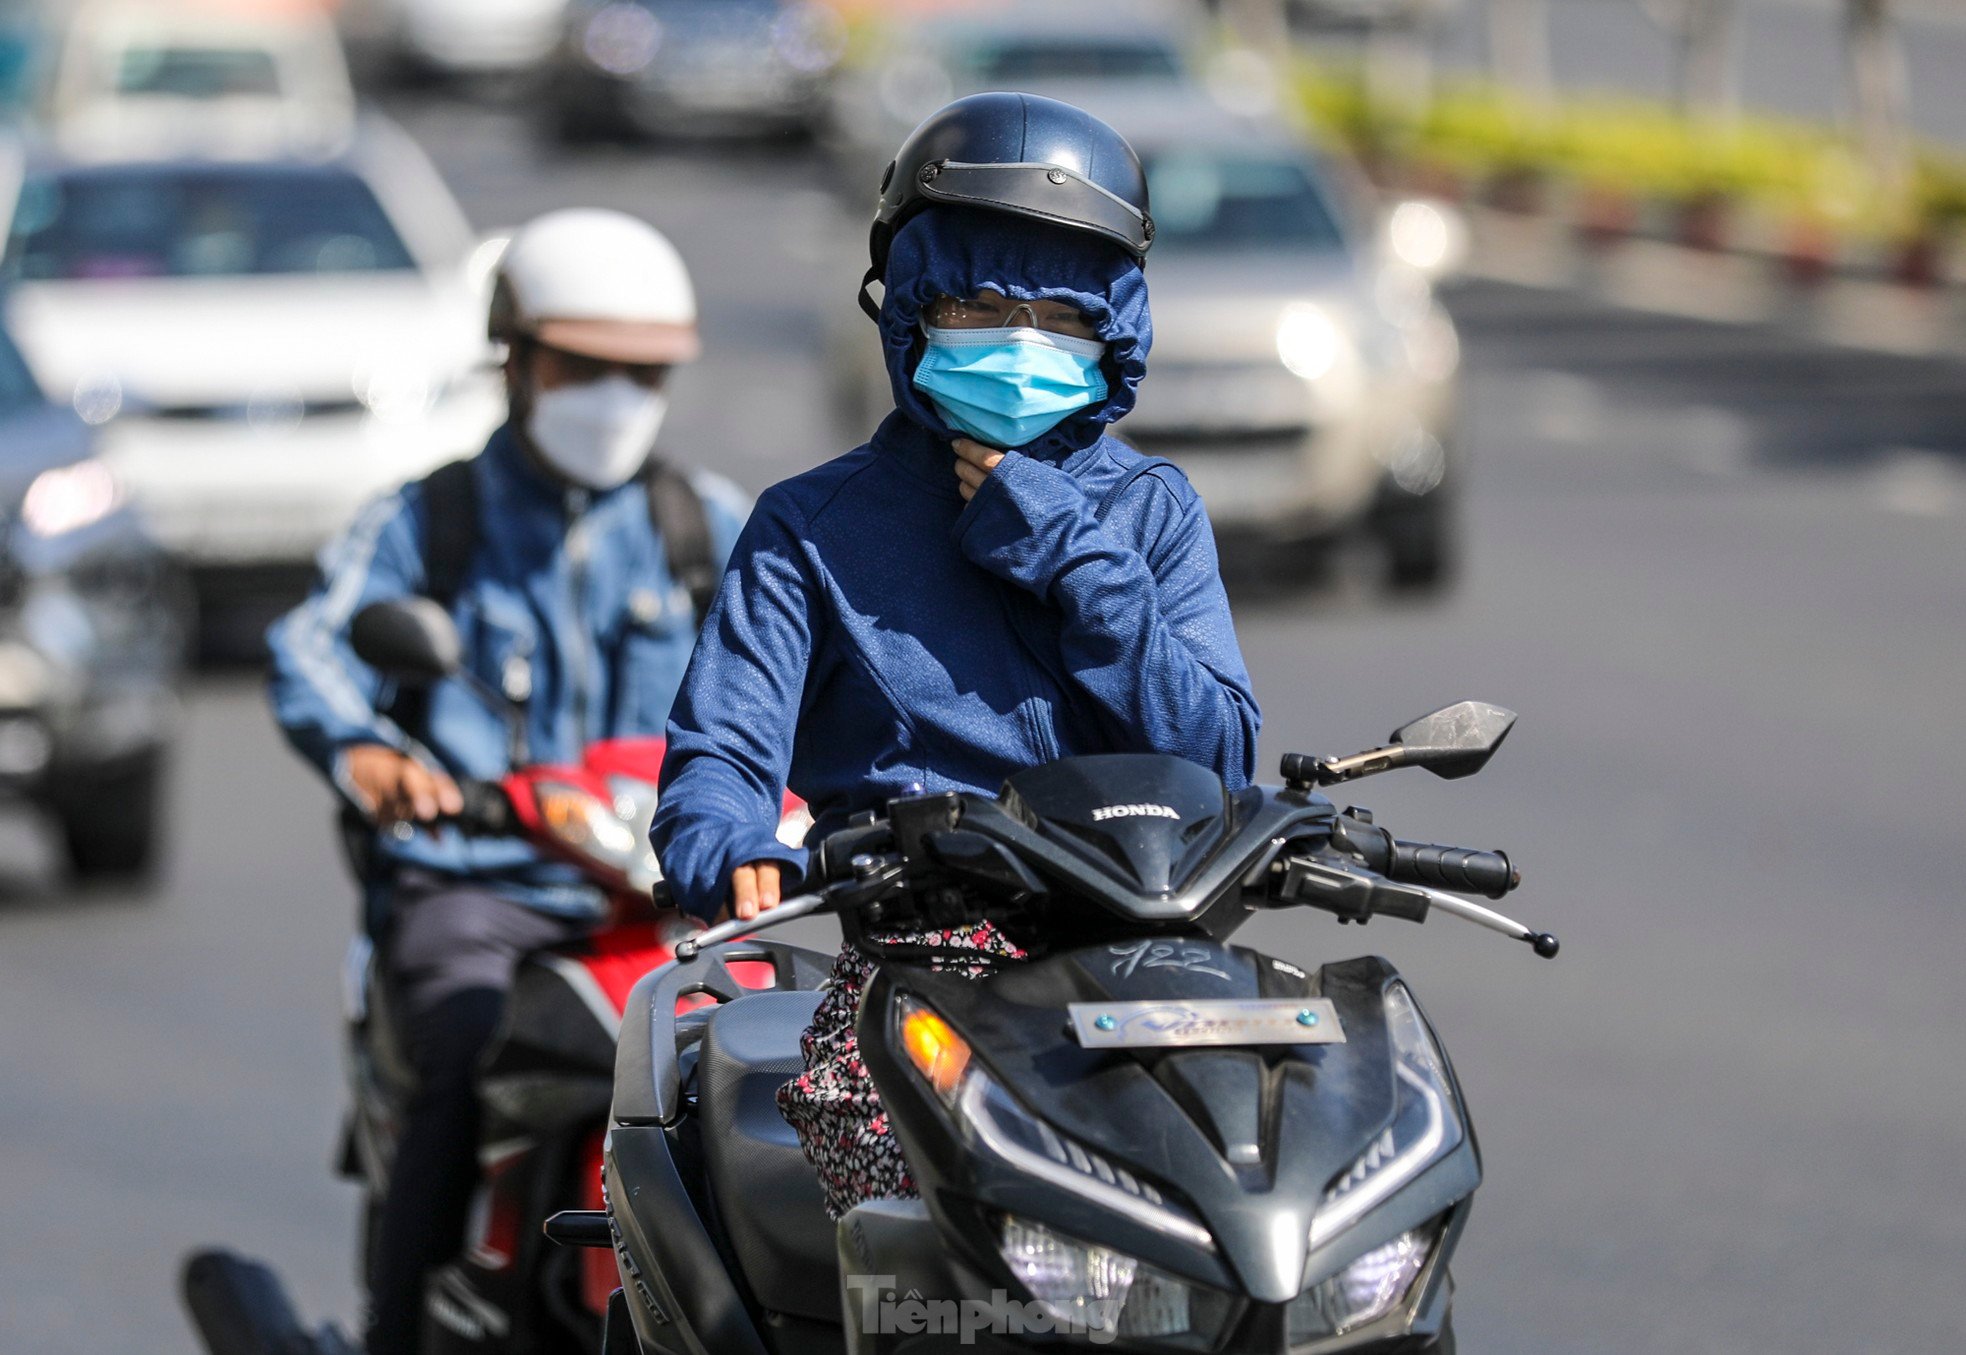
(938, 1053)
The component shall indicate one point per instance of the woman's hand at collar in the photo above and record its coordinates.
(974, 462)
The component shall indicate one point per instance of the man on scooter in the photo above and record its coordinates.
(991, 583)
(576, 565)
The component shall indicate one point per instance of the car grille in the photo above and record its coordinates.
(258, 412)
(270, 412)
(1230, 405)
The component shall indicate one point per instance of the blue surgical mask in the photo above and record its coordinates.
(1008, 387)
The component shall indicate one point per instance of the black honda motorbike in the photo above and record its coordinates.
(1144, 1137)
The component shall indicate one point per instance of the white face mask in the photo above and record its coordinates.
(599, 434)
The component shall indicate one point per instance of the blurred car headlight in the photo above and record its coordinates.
(1417, 462)
(621, 39)
(1427, 236)
(1364, 1291)
(992, 1121)
(809, 38)
(68, 498)
(398, 392)
(1309, 341)
(1426, 1124)
(1092, 1290)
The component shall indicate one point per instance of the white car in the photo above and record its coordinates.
(266, 343)
(914, 63)
(145, 77)
(1303, 375)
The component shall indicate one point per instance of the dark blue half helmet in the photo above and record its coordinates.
(1017, 153)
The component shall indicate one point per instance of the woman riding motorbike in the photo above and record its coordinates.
(992, 582)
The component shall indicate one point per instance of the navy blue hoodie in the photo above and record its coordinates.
(875, 633)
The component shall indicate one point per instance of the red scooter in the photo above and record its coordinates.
(547, 1080)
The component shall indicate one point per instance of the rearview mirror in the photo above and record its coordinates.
(1452, 742)
(1457, 740)
(412, 640)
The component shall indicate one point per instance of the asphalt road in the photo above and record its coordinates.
(1720, 576)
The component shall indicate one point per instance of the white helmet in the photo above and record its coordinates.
(598, 283)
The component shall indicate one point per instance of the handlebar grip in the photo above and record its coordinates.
(487, 811)
(1469, 872)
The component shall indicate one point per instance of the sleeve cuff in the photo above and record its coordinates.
(791, 860)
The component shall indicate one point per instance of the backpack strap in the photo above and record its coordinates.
(1139, 468)
(679, 515)
(450, 529)
(450, 538)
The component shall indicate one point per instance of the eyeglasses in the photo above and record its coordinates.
(990, 310)
(578, 369)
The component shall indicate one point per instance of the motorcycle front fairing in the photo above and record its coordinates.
(1210, 1164)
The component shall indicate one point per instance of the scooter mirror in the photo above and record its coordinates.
(1454, 741)
(412, 640)
(1457, 740)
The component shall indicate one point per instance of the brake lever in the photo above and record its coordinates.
(790, 910)
(1355, 894)
(873, 876)
(1543, 943)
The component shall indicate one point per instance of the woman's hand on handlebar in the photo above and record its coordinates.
(394, 787)
(754, 889)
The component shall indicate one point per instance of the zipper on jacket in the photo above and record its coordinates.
(579, 553)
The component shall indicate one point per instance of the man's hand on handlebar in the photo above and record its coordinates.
(394, 787)
(754, 889)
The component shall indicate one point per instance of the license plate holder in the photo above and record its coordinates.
(1178, 1023)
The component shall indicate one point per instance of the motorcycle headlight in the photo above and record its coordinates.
(1426, 1125)
(992, 1121)
(1099, 1292)
(585, 822)
(1364, 1291)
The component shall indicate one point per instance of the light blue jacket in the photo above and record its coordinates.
(575, 585)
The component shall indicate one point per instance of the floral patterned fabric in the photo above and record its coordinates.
(833, 1104)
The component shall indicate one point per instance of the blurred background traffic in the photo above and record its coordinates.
(1604, 358)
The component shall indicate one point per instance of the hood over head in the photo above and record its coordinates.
(956, 251)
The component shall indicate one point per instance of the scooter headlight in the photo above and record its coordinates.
(993, 1121)
(1364, 1291)
(1103, 1294)
(1426, 1125)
